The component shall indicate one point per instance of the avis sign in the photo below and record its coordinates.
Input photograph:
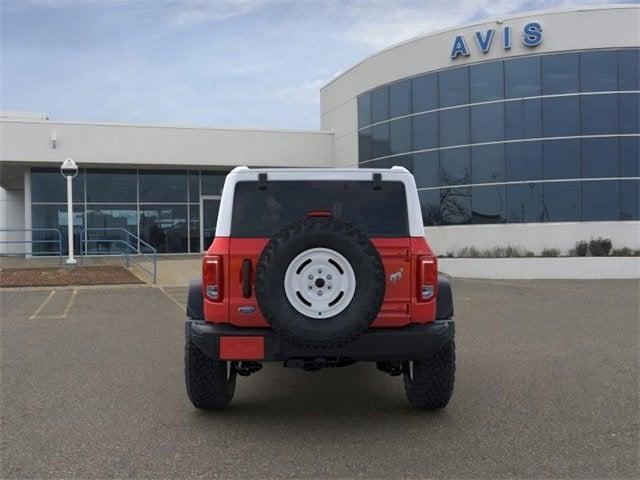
(531, 37)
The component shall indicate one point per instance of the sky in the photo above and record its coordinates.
(217, 63)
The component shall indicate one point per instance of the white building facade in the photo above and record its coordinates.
(520, 132)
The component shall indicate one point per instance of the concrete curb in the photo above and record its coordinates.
(578, 268)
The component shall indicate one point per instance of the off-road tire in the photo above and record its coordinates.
(431, 385)
(325, 232)
(209, 385)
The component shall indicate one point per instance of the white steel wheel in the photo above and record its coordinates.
(320, 283)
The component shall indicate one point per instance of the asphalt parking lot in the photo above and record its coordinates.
(547, 386)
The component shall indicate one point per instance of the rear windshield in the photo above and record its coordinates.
(263, 213)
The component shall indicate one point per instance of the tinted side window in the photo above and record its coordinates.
(364, 110)
(379, 105)
(522, 77)
(598, 71)
(263, 213)
(400, 98)
(560, 73)
(424, 93)
(454, 87)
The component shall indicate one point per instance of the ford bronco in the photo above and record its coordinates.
(319, 268)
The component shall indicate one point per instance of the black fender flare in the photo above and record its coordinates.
(444, 302)
(195, 301)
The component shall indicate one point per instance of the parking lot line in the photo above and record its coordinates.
(42, 305)
(69, 304)
(173, 299)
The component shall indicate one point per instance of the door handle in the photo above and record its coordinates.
(246, 278)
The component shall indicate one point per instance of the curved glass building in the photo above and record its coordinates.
(545, 138)
(530, 120)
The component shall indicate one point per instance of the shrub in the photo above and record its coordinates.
(600, 247)
(550, 252)
(581, 248)
(625, 252)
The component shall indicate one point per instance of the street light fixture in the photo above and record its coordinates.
(69, 169)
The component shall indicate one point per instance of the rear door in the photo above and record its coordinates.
(259, 213)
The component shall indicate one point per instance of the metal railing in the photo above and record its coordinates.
(31, 241)
(130, 247)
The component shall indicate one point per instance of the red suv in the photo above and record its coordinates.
(319, 268)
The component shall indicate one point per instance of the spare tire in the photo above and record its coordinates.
(320, 282)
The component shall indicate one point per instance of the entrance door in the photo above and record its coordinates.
(209, 206)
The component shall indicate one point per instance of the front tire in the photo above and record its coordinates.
(429, 383)
(210, 383)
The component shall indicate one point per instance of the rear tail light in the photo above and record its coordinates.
(427, 278)
(212, 277)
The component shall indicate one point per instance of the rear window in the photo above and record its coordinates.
(263, 213)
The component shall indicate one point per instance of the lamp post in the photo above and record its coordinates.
(69, 169)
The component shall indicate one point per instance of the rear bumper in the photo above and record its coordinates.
(414, 342)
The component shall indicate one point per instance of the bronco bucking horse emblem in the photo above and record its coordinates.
(395, 277)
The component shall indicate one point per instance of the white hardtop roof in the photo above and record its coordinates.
(350, 170)
(244, 174)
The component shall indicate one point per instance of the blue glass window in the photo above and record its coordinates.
(487, 163)
(405, 161)
(562, 202)
(524, 203)
(523, 119)
(561, 159)
(163, 186)
(425, 92)
(400, 135)
(455, 205)
(561, 116)
(364, 110)
(430, 205)
(194, 186)
(601, 200)
(454, 87)
(629, 112)
(400, 98)
(212, 182)
(380, 140)
(380, 105)
(487, 123)
(55, 216)
(454, 127)
(365, 145)
(426, 168)
(194, 228)
(105, 186)
(425, 131)
(113, 217)
(560, 73)
(487, 81)
(522, 77)
(630, 157)
(629, 69)
(165, 227)
(454, 166)
(488, 204)
(599, 114)
(600, 157)
(630, 200)
(599, 71)
(48, 185)
(523, 161)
